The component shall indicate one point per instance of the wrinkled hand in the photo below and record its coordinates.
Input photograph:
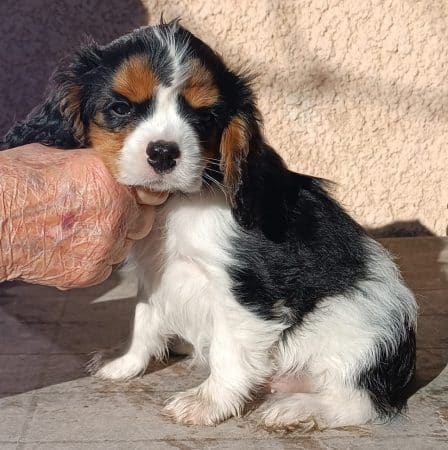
(64, 220)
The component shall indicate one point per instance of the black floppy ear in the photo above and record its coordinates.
(58, 120)
(266, 196)
(256, 180)
(234, 149)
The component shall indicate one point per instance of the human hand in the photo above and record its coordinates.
(64, 220)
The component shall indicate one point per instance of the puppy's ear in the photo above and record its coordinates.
(259, 187)
(58, 121)
(234, 148)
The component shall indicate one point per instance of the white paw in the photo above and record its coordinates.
(121, 368)
(196, 407)
(289, 412)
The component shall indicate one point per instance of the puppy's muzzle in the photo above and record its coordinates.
(162, 156)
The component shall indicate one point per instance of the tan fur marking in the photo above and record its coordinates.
(234, 149)
(71, 109)
(200, 90)
(135, 80)
(107, 144)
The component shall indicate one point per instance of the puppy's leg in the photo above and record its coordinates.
(146, 341)
(328, 409)
(239, 362)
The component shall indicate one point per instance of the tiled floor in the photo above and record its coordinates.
(48, 402)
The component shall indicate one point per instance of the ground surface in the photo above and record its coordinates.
(48, 402)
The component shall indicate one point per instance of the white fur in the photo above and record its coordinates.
(185, 291)
(337, 341)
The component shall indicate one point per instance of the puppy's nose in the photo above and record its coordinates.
(162, 155)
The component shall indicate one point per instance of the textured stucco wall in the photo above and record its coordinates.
(354, 91)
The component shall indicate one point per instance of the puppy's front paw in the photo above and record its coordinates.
(123, 368)
(196, 407)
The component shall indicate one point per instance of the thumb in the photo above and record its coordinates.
(146, 197)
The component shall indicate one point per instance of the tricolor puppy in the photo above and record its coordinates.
(257, 267)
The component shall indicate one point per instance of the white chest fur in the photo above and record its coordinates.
(198, 228)
(181, 265)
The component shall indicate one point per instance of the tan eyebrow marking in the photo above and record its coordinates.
(200, 90)
(135, 80)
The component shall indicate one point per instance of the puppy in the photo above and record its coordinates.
(255, 266)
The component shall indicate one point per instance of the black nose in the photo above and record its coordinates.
(162, 155)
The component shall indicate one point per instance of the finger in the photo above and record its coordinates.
(120, 254)
(62, 288)
(145, 197)
(99, 278)
(143, 224)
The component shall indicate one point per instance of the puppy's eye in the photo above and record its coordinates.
(121, 108)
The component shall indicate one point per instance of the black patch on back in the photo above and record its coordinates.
(297, 245)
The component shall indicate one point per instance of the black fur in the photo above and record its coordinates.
(53, 123)
(388, 381)
(299, 245)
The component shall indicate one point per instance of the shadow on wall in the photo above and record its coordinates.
(37, 33)
(401, 229)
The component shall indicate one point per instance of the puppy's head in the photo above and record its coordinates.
(158, 105)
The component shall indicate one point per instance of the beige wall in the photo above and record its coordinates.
(354, 91)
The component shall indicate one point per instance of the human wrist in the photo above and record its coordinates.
(9, 187)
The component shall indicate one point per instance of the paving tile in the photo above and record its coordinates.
(415, 245)
(172, 376)
(427, 278)
(430, 363)
(389, 443)
(45, 348)
(416, 262)
(14, 411)
(67, 372)
(107, 311)
(20, 373)
(121, 284)
(432, 331)
(64, 372)
(89, 337)
(423, 261)
(432, 301)
(270, 443)
(110, 415)
(17, 289)
(31, 308)
(25, 338)
(104, 414)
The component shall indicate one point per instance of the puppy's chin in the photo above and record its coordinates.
(162, 183)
